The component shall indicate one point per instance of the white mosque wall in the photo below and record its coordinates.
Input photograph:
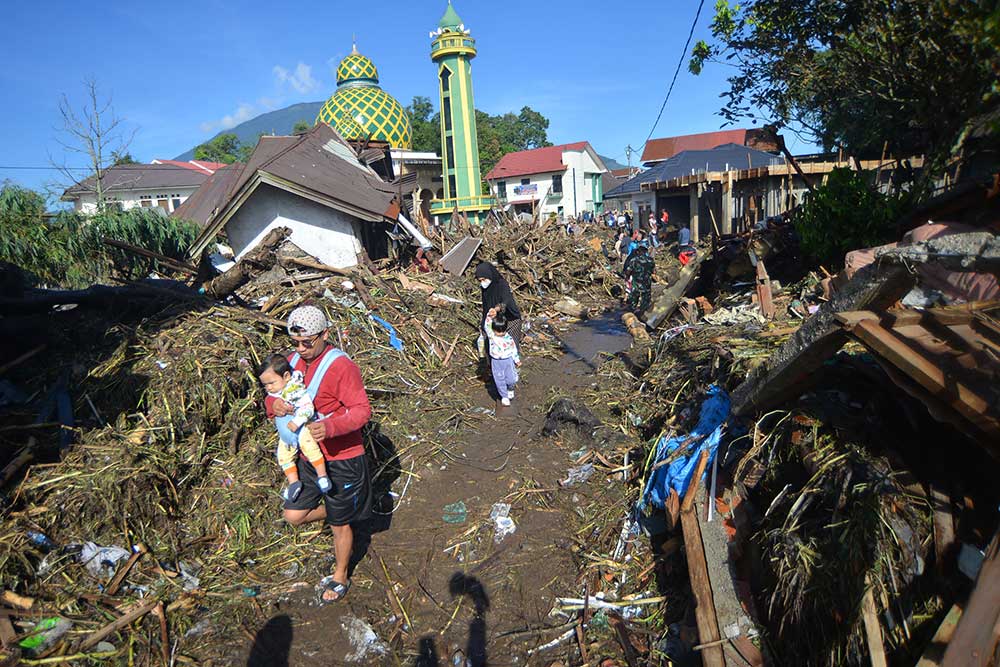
(325, 233)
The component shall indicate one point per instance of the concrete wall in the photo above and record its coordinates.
(323, 232)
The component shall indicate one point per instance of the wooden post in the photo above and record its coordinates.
(976, 641)
(694, 190)
(701, 586)
(873, 630)
(727, 204)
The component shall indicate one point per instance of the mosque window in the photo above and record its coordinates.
(446, 113)
(450, 149)
(557, 183)
(445, 79)
(452, 186)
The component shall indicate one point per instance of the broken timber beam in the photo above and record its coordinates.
(788, 372)
(252, 264)
(668, 301)
(976, 642)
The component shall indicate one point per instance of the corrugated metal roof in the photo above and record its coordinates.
(722, 158)
(534, 161)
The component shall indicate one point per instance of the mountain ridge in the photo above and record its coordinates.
(279, 121)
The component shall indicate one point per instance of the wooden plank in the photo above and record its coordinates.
(701, 586)
(977, 636)
(934, 652)
(873, 631)
(956, 394)
(764, 298)
(944, 526)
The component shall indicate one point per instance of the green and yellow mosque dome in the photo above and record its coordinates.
(359, 109)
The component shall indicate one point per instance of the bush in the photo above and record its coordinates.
(67, 249)
(845, 213)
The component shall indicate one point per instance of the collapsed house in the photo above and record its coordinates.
(314, 184)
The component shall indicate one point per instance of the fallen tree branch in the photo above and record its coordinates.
(255, 262)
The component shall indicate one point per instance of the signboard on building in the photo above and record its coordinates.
(530, 189)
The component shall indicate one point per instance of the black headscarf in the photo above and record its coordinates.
(497, 293)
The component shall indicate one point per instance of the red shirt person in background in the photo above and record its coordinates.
(343, 408)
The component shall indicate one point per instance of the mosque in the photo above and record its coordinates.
(361, 111)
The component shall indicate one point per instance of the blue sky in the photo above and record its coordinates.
(179, 72)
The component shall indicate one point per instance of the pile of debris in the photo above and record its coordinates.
(155, 508)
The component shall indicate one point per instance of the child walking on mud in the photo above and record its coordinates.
(504, 357)
(280, 381)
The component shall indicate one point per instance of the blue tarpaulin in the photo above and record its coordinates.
(706, 435)
(393, 337)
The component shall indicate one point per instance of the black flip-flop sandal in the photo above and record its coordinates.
(328, 584)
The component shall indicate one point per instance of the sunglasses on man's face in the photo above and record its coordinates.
(305, 343)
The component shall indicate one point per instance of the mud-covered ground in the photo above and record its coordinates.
(439, 589)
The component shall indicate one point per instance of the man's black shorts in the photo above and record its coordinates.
(349, 500)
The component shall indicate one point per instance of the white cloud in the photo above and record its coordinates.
(301, 79)
(244, 112)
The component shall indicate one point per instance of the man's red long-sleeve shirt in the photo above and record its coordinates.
(344, 402)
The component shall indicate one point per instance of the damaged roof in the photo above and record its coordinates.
(209, 198)
(318, 165)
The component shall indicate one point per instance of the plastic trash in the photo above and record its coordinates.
(578, 475)
(100, 561)
(363, 640)
(45, 634)
(394, 339)
(502, 523)
(455, 512)
(41, 540)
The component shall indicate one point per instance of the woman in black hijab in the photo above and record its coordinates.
(496, 292)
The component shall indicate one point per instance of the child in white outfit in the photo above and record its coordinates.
(281, 382)
(504, 357)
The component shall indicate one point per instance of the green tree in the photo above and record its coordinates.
(224, 148)
(425, 125)
(120, 158)
(68, 249)
(301, 127)
(860, 74)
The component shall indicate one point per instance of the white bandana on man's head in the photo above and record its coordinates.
(307, 321)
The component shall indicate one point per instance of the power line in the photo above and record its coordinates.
(121, 167)
(677, 71)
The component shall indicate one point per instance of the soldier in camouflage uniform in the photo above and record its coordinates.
(640, 267)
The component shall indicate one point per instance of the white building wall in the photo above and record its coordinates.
(327, 234)
(175, 196)
(581, 169)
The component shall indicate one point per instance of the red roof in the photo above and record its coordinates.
(201, 166)
(535, 161)
(667, 147)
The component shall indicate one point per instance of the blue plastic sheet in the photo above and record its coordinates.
(394, 339)
(706, 435)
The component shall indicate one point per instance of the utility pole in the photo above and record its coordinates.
(628, 154)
